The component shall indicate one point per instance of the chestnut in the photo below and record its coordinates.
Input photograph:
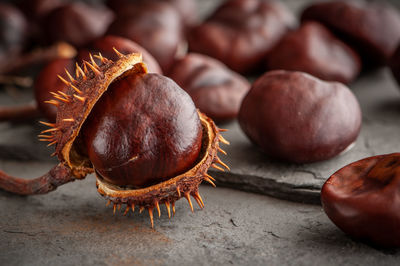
(215, 89)
(372, 28)
(315, 50)
(154, 25)
(363, 199)
(13, 32)
(106, 45)
(77, 23)
(296, 117)
(241, 33)
(139, 133)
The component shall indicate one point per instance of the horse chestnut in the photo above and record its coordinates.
(240, 33)
(363, 199)
(140, 133)
(371, 27)
(77, 23)
(315, 50)
(298, 118)
(154, 25)
(216, 90)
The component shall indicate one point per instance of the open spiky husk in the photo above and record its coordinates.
(184, 185)
(74, 106)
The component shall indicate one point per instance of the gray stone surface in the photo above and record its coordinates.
(71, 226)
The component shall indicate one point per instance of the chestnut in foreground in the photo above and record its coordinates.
(240, 33)
(139, 133)
(216, 90)
(363, 199)
(372, 28)
(296, 117)
(315, 50)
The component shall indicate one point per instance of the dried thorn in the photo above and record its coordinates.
(217, 167)
(209, 181)
(103, 59)
(64, 81)
(61, 99)
(178, 190)
(221, 138)
(53, 154)
(68, 119)
(76, 89)
(117, 52)
(79, 72)
(69, 76)
(168, 209)
(53, 102)
(114, 208)
(187, 196)
(54, 94)
(158, 209)
(222, 130)
(93, 62)
(141, 209)
(119, 206)
(108, 203)
(46, 136)
(151, 217)
(133, 207)
(222, 151)
(85, 70)
(46, 140)
(49, 130)
(63, 94)
(199, 197)
(173, 208)
(50, 144)
(198, 201)
(95, 70)
(80, 98)
(218, 160)
(210, 177)
(126, 210)
(47, 124)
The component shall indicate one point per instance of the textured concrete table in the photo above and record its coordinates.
(71, 226)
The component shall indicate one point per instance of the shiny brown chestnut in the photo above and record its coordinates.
(315, 50)
(77, 23)
(216, 90)
(372, 28)
(296, 117)
(154, 25)
(363, 199)
(140, 133)
(240, 33)
(106, 45)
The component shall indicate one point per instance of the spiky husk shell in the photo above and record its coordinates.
(75, 106)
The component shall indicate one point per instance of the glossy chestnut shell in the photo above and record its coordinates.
(363, 199)
(133, 141)
(154, 25)
(240, 33)
(215, 89)
(315, 50)
(298, 118)
(372, 28)
(77, 23)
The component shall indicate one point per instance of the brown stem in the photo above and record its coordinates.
(37, 57)
(57, 176)
(19, 113)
